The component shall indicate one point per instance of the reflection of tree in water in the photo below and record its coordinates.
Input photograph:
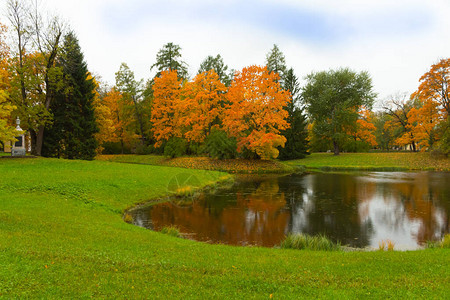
(355, 210)
(327, 204)
(423, 198)
(252, 212)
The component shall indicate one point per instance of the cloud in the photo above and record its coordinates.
(396, 41)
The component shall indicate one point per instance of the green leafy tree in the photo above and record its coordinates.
(72, 133)
(332, 100)
(131, 91)
(169, 58)
(217, 64)
(296, 135)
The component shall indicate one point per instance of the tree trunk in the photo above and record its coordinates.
(139, 119)
(336, 148)
(33, 137)
(39, 140)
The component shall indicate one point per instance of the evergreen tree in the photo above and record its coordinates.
(72, 133)
(169, 58)
(296, 136)
(276, 62)
(217, 64)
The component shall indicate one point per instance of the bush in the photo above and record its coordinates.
(307, 242)
(219, 145)
(171, 230)
(144, 149)
(175, 147)
(115, 148)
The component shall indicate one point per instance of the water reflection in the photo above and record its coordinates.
(357, 209)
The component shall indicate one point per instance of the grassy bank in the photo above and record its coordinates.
(62, 235)
(373, 161)
(242, 166)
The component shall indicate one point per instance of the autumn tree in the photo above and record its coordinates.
(7, 131)
(220, 68)
(119, 116)
(71, 134)
(34, 73)
(434, 95)
(169, 59)
(434, 85)
(255, 114)
(362, 135)
(202, 106)
(165, 115)
(398, 107)
(424, 121)
(332, 98)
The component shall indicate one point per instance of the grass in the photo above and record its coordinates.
(242, 166)
(171, 230)
(62, 236)
(307, 242)
(395, 161)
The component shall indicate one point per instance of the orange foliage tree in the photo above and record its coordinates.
(398, 108)
(433, 94)
(365, 129)
(423, 123)
(202, 105)
(255, 113)
(434, 85)
(166, 107)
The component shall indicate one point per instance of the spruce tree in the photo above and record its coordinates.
(217, 64)
(276, 62)
(169, 58)
(296, 136)
(71, 134)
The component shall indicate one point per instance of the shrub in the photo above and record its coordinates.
(171, 230)
(219, 145)
(115, 148)
(175, 147)
(307, 242)
(144, 149)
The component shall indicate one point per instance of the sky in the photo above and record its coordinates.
(395, 41)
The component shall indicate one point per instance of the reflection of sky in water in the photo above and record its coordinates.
(390, 222)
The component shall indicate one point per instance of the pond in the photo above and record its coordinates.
(357, 209)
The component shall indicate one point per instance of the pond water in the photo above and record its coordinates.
(357, 209)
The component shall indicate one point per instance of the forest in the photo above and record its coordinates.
(259, 112)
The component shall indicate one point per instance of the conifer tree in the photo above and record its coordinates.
(296, 135)
(72, 133)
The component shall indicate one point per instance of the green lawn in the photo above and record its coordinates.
(62, 236)
(373, 161)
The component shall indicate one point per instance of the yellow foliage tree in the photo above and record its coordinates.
(7, 132)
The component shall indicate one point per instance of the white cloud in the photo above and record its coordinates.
(396, 41)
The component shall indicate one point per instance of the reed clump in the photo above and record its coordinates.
(172, 231)
(307, 242)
